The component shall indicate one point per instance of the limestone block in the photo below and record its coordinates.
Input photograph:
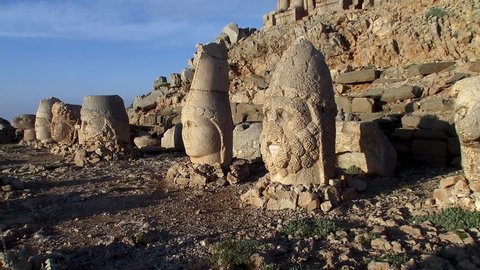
(360, 76)
(172, 138)
(246, 141)
(437, 105)
(149, 101)
(430, 148)
(104, 120)
(363, 144)
(298, 136)
(363, 105)
(424, 121)
(467, 124)
(401, 93)
(233, 32)
(43, 120)
(429, 68)
(343, 104)
(243, 112)
(187, 75)
(65, 118)
(146, 141)
(374, 93)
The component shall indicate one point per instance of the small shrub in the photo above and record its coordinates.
(395, 260)
(353, 170)
(452, 219)
(368, 237)
(309, 228)
(236, 252)
(436, 12)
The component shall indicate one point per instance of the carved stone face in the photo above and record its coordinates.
(200, 137)
(289, 137)
(467, 124)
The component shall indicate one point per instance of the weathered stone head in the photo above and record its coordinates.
(43, 119)
(467, 124)
(64, 119)
(206, 117)
(104, 120)
(25, 122)
(298, 137)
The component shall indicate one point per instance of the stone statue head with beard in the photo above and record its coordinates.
(298, 137)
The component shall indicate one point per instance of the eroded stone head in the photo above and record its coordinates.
(298, 137)
(467, 124)
(206, 117)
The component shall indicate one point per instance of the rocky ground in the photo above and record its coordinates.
(123, 215)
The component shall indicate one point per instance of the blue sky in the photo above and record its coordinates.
(73, 48)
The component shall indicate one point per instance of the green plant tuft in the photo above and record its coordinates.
(309, 228)
(452, 219)
(353, 170)
(236, 252)
(436, 12)
(367, 238)
(395, 260)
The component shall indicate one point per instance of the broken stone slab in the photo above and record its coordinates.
(363, 105)
(364, 145)
(374, 93)
(360, 76)
(401, 93)
(428, 68)
(246, 141)
(149, 101)
(425, 121)
(233, 32)
(258, 80)
(146, 141)
(172, 138)
(187, 75)
(437, 105)
(244, 112)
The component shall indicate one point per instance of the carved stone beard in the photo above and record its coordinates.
(289, 153)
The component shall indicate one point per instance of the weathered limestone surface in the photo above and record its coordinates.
(467, 123)
(363, 144)
(207, 117)
(25, 122)
(104, 120)
(172, 138)
(246, 141)
(43, 119)
(65, 119)
(429, 68)
(360, 76)
(298, 137)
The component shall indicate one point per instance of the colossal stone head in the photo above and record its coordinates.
(25, 122)
(104, 120)
(467, 124)
(43, 119)
(206, 117)
(64, 119)
(298, 137)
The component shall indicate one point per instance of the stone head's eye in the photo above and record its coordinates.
(461, 112)
(284, 115)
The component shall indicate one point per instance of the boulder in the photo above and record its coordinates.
(146, 141)
(362, 144)
(363, 105)
(148, 101)
(246, 141)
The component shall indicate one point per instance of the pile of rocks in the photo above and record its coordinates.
(7, 132)
(275, 196)
(202, 175)
(457, 191)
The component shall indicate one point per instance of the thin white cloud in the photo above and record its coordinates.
(121, 19)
